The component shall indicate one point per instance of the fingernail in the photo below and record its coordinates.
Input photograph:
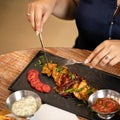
(37, 33)
(91, 67)
(86, 61)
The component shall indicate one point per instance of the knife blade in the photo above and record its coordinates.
(43, 47)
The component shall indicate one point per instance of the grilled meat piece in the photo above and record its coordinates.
(48, 69)
(68, 82)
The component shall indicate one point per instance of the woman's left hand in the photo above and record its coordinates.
(108, 52)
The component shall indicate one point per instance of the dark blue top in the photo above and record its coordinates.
(93, 18)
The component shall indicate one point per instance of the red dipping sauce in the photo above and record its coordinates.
(105, 105)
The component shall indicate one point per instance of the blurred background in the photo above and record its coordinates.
(16, 32)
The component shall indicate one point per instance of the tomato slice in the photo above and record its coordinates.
(33, 78)
(38, 87)
(46, 88)
(34, 83)
(40, 84)
(32, 74)
(33, 71)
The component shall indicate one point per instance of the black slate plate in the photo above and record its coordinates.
(95, 78)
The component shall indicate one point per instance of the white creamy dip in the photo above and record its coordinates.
(26, 106)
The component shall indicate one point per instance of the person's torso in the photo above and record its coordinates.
(93, 19)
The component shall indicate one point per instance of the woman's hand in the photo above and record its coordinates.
(38, 12)
(108, 52)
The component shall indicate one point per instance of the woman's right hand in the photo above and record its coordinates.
(38, 12)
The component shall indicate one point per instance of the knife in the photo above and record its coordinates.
(43, 47)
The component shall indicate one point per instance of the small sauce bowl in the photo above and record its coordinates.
(105, 103)
(19, 95)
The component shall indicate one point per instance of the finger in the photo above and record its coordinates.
(31, 16)
(98, 58)
(106, 60)
(28, 11)
(38, 19)
(114, 61)
(94, 53)
(44, 16)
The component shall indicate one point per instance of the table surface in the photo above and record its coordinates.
(13, 63)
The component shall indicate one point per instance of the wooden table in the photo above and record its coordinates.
(13, 63)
